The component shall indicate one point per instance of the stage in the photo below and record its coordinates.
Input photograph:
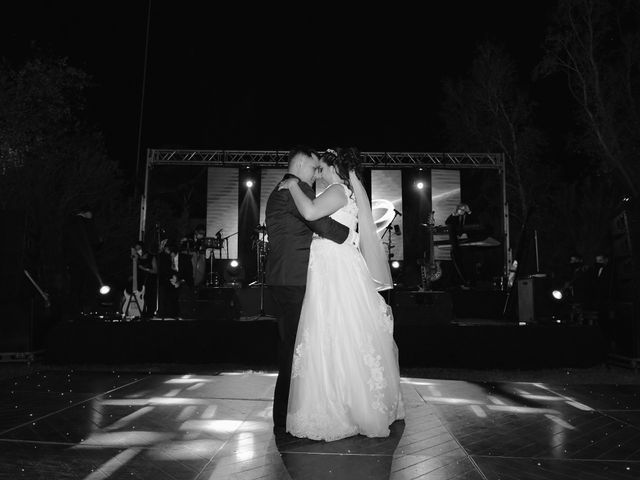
(226, 327)
(99, 425)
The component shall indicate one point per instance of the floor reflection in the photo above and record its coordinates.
(350, 458)
(90, 426)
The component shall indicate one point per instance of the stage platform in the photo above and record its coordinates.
(92, 425)
(432, 329)
(466, 343)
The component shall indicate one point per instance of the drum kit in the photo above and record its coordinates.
(210, 245)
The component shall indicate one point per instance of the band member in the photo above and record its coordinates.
(601, 296)
(194, 246)
(575, 287)
(163, 263)
(456, 222)
(147, 277)
(176, 281)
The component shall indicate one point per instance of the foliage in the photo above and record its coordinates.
(596, 46)
(487, 111)
(52, 162)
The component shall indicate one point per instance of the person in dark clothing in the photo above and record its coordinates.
(147, 278)
(177, 281)
(459, 257)
(165, 289)
(286, 270)
(575, 287)
(600, 300)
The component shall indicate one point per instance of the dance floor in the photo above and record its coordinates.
(88, 425)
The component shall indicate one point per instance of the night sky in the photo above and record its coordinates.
(267, 79)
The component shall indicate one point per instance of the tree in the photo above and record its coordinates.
(487, 111)
(596, 45)
(52, 161)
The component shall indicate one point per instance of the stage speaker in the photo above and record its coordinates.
(625, 239)
(217, 304)
(421, 308)
(535, 303)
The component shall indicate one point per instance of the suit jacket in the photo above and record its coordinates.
(290, 237)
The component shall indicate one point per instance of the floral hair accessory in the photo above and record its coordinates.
(332, 152)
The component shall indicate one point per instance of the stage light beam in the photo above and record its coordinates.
(420, 185)
(105, 289)
(557, 294)
(395, 264)
(234, 263)
(249, 183)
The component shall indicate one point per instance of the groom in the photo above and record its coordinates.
(289, 246)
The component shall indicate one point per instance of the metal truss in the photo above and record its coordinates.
(376, 160)
(275, 158)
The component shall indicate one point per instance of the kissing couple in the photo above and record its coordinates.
(337, 359)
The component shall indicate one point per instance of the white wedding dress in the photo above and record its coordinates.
(345, 377)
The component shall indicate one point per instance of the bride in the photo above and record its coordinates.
(345, 376)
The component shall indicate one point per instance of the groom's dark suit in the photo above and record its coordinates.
(289, 246)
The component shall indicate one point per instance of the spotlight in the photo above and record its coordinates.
(625, 199)
(420, 185)
(234, 274)
(249, 183)
(395, 264)
(557, 294)
(105, 289)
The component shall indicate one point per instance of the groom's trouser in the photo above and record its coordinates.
(289, 299)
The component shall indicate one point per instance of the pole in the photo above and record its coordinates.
(144, 85)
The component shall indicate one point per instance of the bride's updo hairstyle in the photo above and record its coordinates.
(344, 160)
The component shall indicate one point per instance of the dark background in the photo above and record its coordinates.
(262, 78)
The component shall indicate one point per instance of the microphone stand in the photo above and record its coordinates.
(261, 279)
(158, 232)
(390, 246)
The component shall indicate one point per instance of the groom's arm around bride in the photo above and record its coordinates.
(290, 238)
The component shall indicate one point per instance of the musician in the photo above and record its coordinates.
(601, 295)
(194, 246)
(575, 287)
(163, 263)
(177, 280)
(461, 261)
(147, 278)
(194, 241)
(80, 244)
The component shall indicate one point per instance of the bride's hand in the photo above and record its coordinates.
(286, 184)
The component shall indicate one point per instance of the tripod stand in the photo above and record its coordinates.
(388, 231)
(261, 254)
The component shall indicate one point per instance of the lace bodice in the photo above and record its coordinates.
(347, 215)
